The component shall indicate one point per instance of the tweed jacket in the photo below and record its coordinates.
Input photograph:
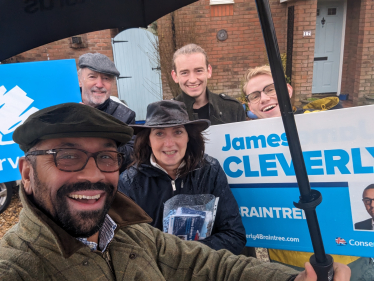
(222, 108)
(37, 249)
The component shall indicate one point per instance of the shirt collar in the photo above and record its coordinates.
(106, 234)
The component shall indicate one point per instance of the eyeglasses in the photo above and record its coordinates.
(255, 97)
(74, 159)
(367, 201)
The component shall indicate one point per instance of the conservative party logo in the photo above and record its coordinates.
(14, 110)
(340, 241)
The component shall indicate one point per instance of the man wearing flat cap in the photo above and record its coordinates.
(75, 225)
(96, 75)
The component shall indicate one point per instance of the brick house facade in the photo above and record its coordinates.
(244, 47)
(99, 41)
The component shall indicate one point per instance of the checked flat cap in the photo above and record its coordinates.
(70, 120)
(99, 63)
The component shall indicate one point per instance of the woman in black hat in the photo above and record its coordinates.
(169, 159)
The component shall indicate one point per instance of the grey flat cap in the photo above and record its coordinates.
(99, 63)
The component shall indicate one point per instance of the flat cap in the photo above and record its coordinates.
(99, 63)
(70, 120)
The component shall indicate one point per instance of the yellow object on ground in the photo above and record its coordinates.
(322, 104)
(300, 258)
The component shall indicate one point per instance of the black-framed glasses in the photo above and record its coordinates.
(367, 201)
(255, 97)
(74, 159)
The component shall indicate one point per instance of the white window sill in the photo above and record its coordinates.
(221, 2)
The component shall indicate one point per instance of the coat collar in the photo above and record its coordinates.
(214, 107)
(123, 211)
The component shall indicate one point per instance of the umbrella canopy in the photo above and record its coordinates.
(27, 24)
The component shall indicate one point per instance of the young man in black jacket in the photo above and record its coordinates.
(191, 70)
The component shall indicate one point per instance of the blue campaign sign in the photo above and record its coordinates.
(338, 149)
(24, 89)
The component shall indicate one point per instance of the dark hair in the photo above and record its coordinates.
(194, 152)
(370, 186)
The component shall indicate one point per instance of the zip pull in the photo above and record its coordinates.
(173, 185)
(182, 184)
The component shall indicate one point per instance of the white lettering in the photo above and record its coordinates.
(14, 165)
(296, 213)
(276, 209)
(1, 164)
(254, 212)
(287, 212)
(244, 211)
(268, 212)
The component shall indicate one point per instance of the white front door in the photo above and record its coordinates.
(327, 46)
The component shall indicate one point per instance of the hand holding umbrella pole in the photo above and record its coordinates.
(309, 199)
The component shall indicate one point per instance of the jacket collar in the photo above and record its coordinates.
(213, 106)
(123, 211)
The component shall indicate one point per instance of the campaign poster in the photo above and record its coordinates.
(26, 88)
(338, 149)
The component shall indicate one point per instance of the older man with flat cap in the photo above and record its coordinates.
(75, 225)
(96, 75)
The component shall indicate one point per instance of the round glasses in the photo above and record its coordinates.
(74, 159)
(255, 97)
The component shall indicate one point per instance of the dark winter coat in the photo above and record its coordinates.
(150, 188)
(222, 108)
(36, 249)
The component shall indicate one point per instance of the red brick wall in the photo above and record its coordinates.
(99, 41)
(244, 47)
(364, 83)
(350, 48)
(303, 48)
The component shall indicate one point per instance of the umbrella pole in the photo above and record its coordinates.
(309, 199)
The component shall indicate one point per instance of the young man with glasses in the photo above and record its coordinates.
(367, 198)
(262, 99)
(76, 226)
(260, 92)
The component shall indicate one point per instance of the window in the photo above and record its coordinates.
(331, 11)
(317, 12)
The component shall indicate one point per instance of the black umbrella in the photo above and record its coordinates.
(309, 199)
(26, 24)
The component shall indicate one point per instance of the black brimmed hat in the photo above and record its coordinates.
(70, 120)
(99, 63)
(169, 113)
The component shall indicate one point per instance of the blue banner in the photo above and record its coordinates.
(338, 150)
(24, 89)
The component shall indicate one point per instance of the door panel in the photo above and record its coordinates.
(327, 73)
(330, 44)
(327, 49)
(137, 60)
